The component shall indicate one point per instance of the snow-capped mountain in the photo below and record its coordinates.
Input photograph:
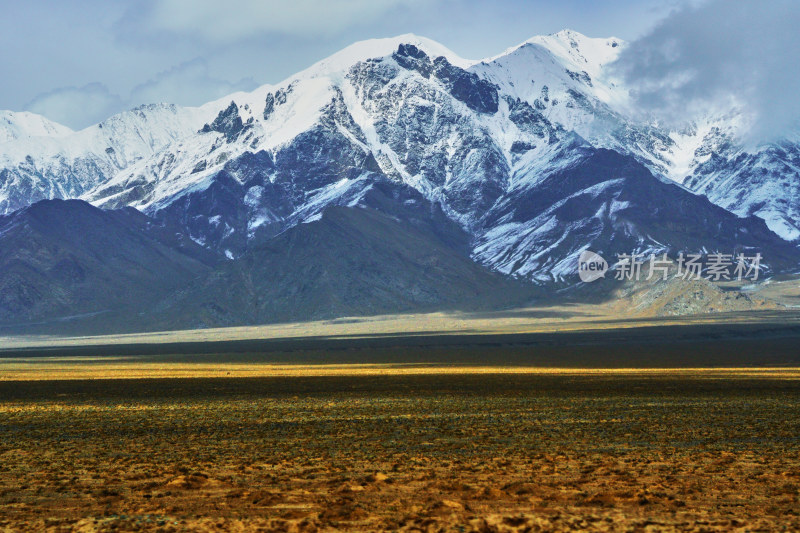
(530, 152)
(24, 125)
(40, 159)
(764, 181)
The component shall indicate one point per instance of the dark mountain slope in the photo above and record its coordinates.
(353, 261)
(64, 258)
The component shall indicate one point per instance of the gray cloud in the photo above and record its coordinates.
(189, 83)
(77, 107)
(708, 55)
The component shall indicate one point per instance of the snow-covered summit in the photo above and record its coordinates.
(588, 53)
(25, 125)
(376, 48)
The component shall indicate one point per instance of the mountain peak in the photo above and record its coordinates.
(568, 33)
(571, 35)
(571, 48)
(24, 125)
(376, 48)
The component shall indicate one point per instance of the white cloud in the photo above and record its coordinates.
(236, 19)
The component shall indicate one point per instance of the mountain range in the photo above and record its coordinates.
(391, 176)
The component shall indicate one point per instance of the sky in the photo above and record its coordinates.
(78, 62)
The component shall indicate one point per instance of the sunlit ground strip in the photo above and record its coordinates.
(96, 368)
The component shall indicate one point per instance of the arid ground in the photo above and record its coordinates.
(488, 434)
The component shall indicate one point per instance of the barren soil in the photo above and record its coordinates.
(445, 450)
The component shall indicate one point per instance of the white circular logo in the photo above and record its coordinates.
(591, 266)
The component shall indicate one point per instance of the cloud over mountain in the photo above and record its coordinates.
(191, 82)
(711, 53)
(77, 107)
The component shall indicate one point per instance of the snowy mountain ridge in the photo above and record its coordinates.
(515, 148)
(51, 161)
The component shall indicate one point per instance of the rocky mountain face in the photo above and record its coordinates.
(612, 204)
(764, 182)
(520, 162)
